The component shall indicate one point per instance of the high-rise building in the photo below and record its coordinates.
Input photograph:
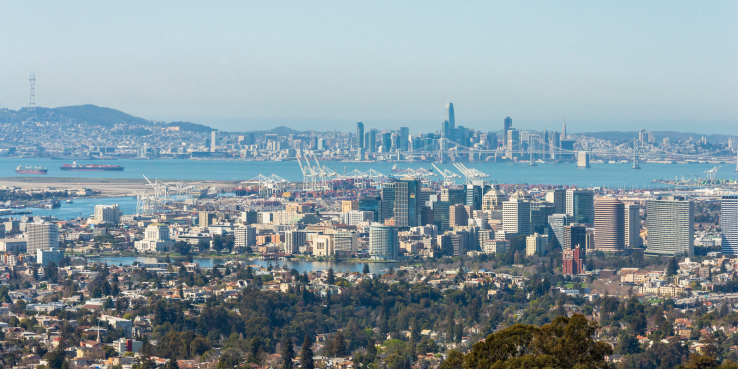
(539, 213)
(580, 205)
(383, 242)
(493, 199)
(729, 224)
(558, 199)
(107, 213)
(506, 126)
(458, 215)
(534, 245)
(474, 193)
(632, 225)
(556, 224)
(205, 219)
(609, 224)
(404, 138)
(324, 245)
(516, 217)
(370, 140)
(373, 204)
(575, 234)
(670, 226)
(246, 236)
(441, 215)
(360, 135)
(573, 261)
(512, 144)
(346, 242)
(450, 116)
(402, 201)
(213, 140)
(349, 205)
(41, 236)
(386, 141)
(453, 195)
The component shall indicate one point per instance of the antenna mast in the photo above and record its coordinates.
(32, 104)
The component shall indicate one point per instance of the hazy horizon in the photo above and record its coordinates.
(253, 66)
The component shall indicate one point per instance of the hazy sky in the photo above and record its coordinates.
(245, 65)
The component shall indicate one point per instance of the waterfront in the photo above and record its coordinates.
(85, 207)
(300, 266)
(605, 175)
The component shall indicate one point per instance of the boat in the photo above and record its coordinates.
(52, 204)
(69, 201)
(398, 170)
(30, 170)
(96, 167)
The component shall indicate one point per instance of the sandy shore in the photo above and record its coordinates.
(108, 187)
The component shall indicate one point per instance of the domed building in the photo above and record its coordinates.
(521, 194)
(493, 199)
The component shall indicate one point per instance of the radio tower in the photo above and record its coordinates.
(32, 104)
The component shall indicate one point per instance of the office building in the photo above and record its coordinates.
(450, 116)
(373, 204)
(535, 245)
(355, 217)
(575, 234)
(244, 237)
(512, 146)
(670, 226)
(506, 126)
(403, 139)
(474, 193)
(573, 261)
(729, 224)
(632, 226)
(453, 195)
(349, 205)
(52, 255)
(609, 224)
(583, 159)
(156, 239)
(107, 213)
(459, 215)
(370, 141)
(539, 213)
(205, 219)
(441, 215)
(383, 242)
(41, 236)
(580, 205)
(213, 140)
(493, 199)
(360, 135)
(516, 217)
(558, 199)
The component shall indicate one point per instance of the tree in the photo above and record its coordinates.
(455, 361)
(172, 364)
(627, 344)
(672, 267)
(306, 355)
(339, 345)
(55, 359)
(366, 269)
(697, 361)
(331, 277)
(565, 342)
(288, 353)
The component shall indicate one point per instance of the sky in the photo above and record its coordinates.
(243, 65)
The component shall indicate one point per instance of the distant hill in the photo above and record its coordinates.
(658, 136)
(92, 115)
(191, 127)
(84, 114)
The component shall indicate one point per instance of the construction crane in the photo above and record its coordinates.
(712, 172)
(471, 174)
(449, 177)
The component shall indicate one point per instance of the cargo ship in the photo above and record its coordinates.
(29, 170)
(75, 166)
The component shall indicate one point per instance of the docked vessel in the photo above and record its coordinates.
(398, 170)
(75, 166)
(30, 170)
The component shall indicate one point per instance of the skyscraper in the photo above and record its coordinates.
(632, 225)
(558, 199)
(360, 135)
(573, 261)
(370, 141)
(575, 235)
(580, 205)
(556, 224)
(506, 126)
(609, 224)
(403, 197)
(729, 224)
(512, 144)
(404, 138)
(213, 140)
(383, 242)
(450, 116)
(670, 226)
(516, 216)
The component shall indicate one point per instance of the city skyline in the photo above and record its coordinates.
(318, 67)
